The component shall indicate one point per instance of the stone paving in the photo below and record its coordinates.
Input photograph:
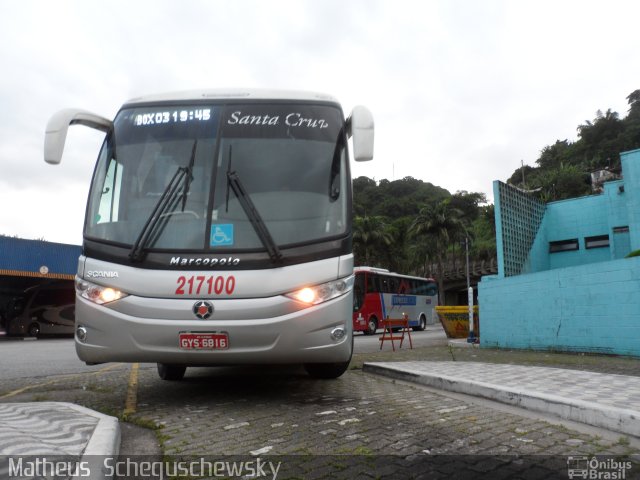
(358, 426)
(357, 418)
(601, 400)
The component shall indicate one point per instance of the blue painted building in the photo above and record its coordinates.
(26, 263)
(563, 280)
(38, 259)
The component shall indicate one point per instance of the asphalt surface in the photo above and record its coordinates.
(428, 412)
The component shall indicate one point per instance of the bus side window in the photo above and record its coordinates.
(431, 289)
(389, 284)
(384, 284)
(110, 197)
(358, 293)
(373, 283)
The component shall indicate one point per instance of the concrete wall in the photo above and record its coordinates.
(587, 308)
(631, 169)
(615, 212)
(580, 218)
(585, 300)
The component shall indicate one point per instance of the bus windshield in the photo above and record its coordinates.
(207, 177)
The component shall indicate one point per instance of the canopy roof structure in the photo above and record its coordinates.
(38, 258)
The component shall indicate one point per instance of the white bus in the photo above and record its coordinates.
(380, 294)
(218, 231)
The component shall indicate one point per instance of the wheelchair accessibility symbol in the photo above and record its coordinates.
(221, 235)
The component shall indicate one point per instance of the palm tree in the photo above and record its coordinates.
(441, 225)
(370, 235)
(397, 257)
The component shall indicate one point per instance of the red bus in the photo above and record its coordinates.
(379, 294)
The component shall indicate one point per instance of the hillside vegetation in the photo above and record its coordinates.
(563, 168)
(412, 226)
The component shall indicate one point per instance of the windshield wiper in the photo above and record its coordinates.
(167, 202)
(254, 216)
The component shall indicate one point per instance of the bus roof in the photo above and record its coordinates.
(233, 94)
(387, 272)
(371, 269)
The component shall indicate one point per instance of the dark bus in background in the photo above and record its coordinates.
(47, 309)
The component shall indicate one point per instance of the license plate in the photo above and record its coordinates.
(203, 341)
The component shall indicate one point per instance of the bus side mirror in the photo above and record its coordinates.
(56, 131)
(360, 127)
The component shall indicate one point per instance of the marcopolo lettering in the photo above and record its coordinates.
(203, 262)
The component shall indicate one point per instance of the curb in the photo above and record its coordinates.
(615, 419)
(462, 343)
(104, 442)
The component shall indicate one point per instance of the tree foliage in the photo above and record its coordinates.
(441, 225)
(564, 167)
(407, 225)
(393, 199)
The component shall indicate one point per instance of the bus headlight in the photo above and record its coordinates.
(323, 292)
(97, 293)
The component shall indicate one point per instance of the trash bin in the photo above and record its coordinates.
(455, 320)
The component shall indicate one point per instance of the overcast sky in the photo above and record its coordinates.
(461, 91)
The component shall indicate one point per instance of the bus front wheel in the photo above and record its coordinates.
(326, 370)
(372, 326)
(329, 370)
(168, 371)
(34, 329)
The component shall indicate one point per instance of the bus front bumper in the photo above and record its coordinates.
(303, 336)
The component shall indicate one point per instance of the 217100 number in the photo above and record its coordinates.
(209, 285)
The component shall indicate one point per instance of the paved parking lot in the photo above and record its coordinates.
(358, 426)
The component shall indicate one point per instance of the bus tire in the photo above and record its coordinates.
(171, 372)
(329, 370)
(423, 324)
(372, 326)
(34, 329)
(326, 370)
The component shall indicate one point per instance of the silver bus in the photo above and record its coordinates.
(218, 231)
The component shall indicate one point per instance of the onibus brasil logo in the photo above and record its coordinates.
(597, 468)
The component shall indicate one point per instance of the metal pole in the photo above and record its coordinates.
(472, 337)
(466, 246)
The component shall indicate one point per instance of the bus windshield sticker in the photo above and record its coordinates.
(221, 235)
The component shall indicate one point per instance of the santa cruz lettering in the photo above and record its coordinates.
(203, 262)
(209, 285)
(293, 119)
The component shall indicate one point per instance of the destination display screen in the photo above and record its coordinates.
(171, 116)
